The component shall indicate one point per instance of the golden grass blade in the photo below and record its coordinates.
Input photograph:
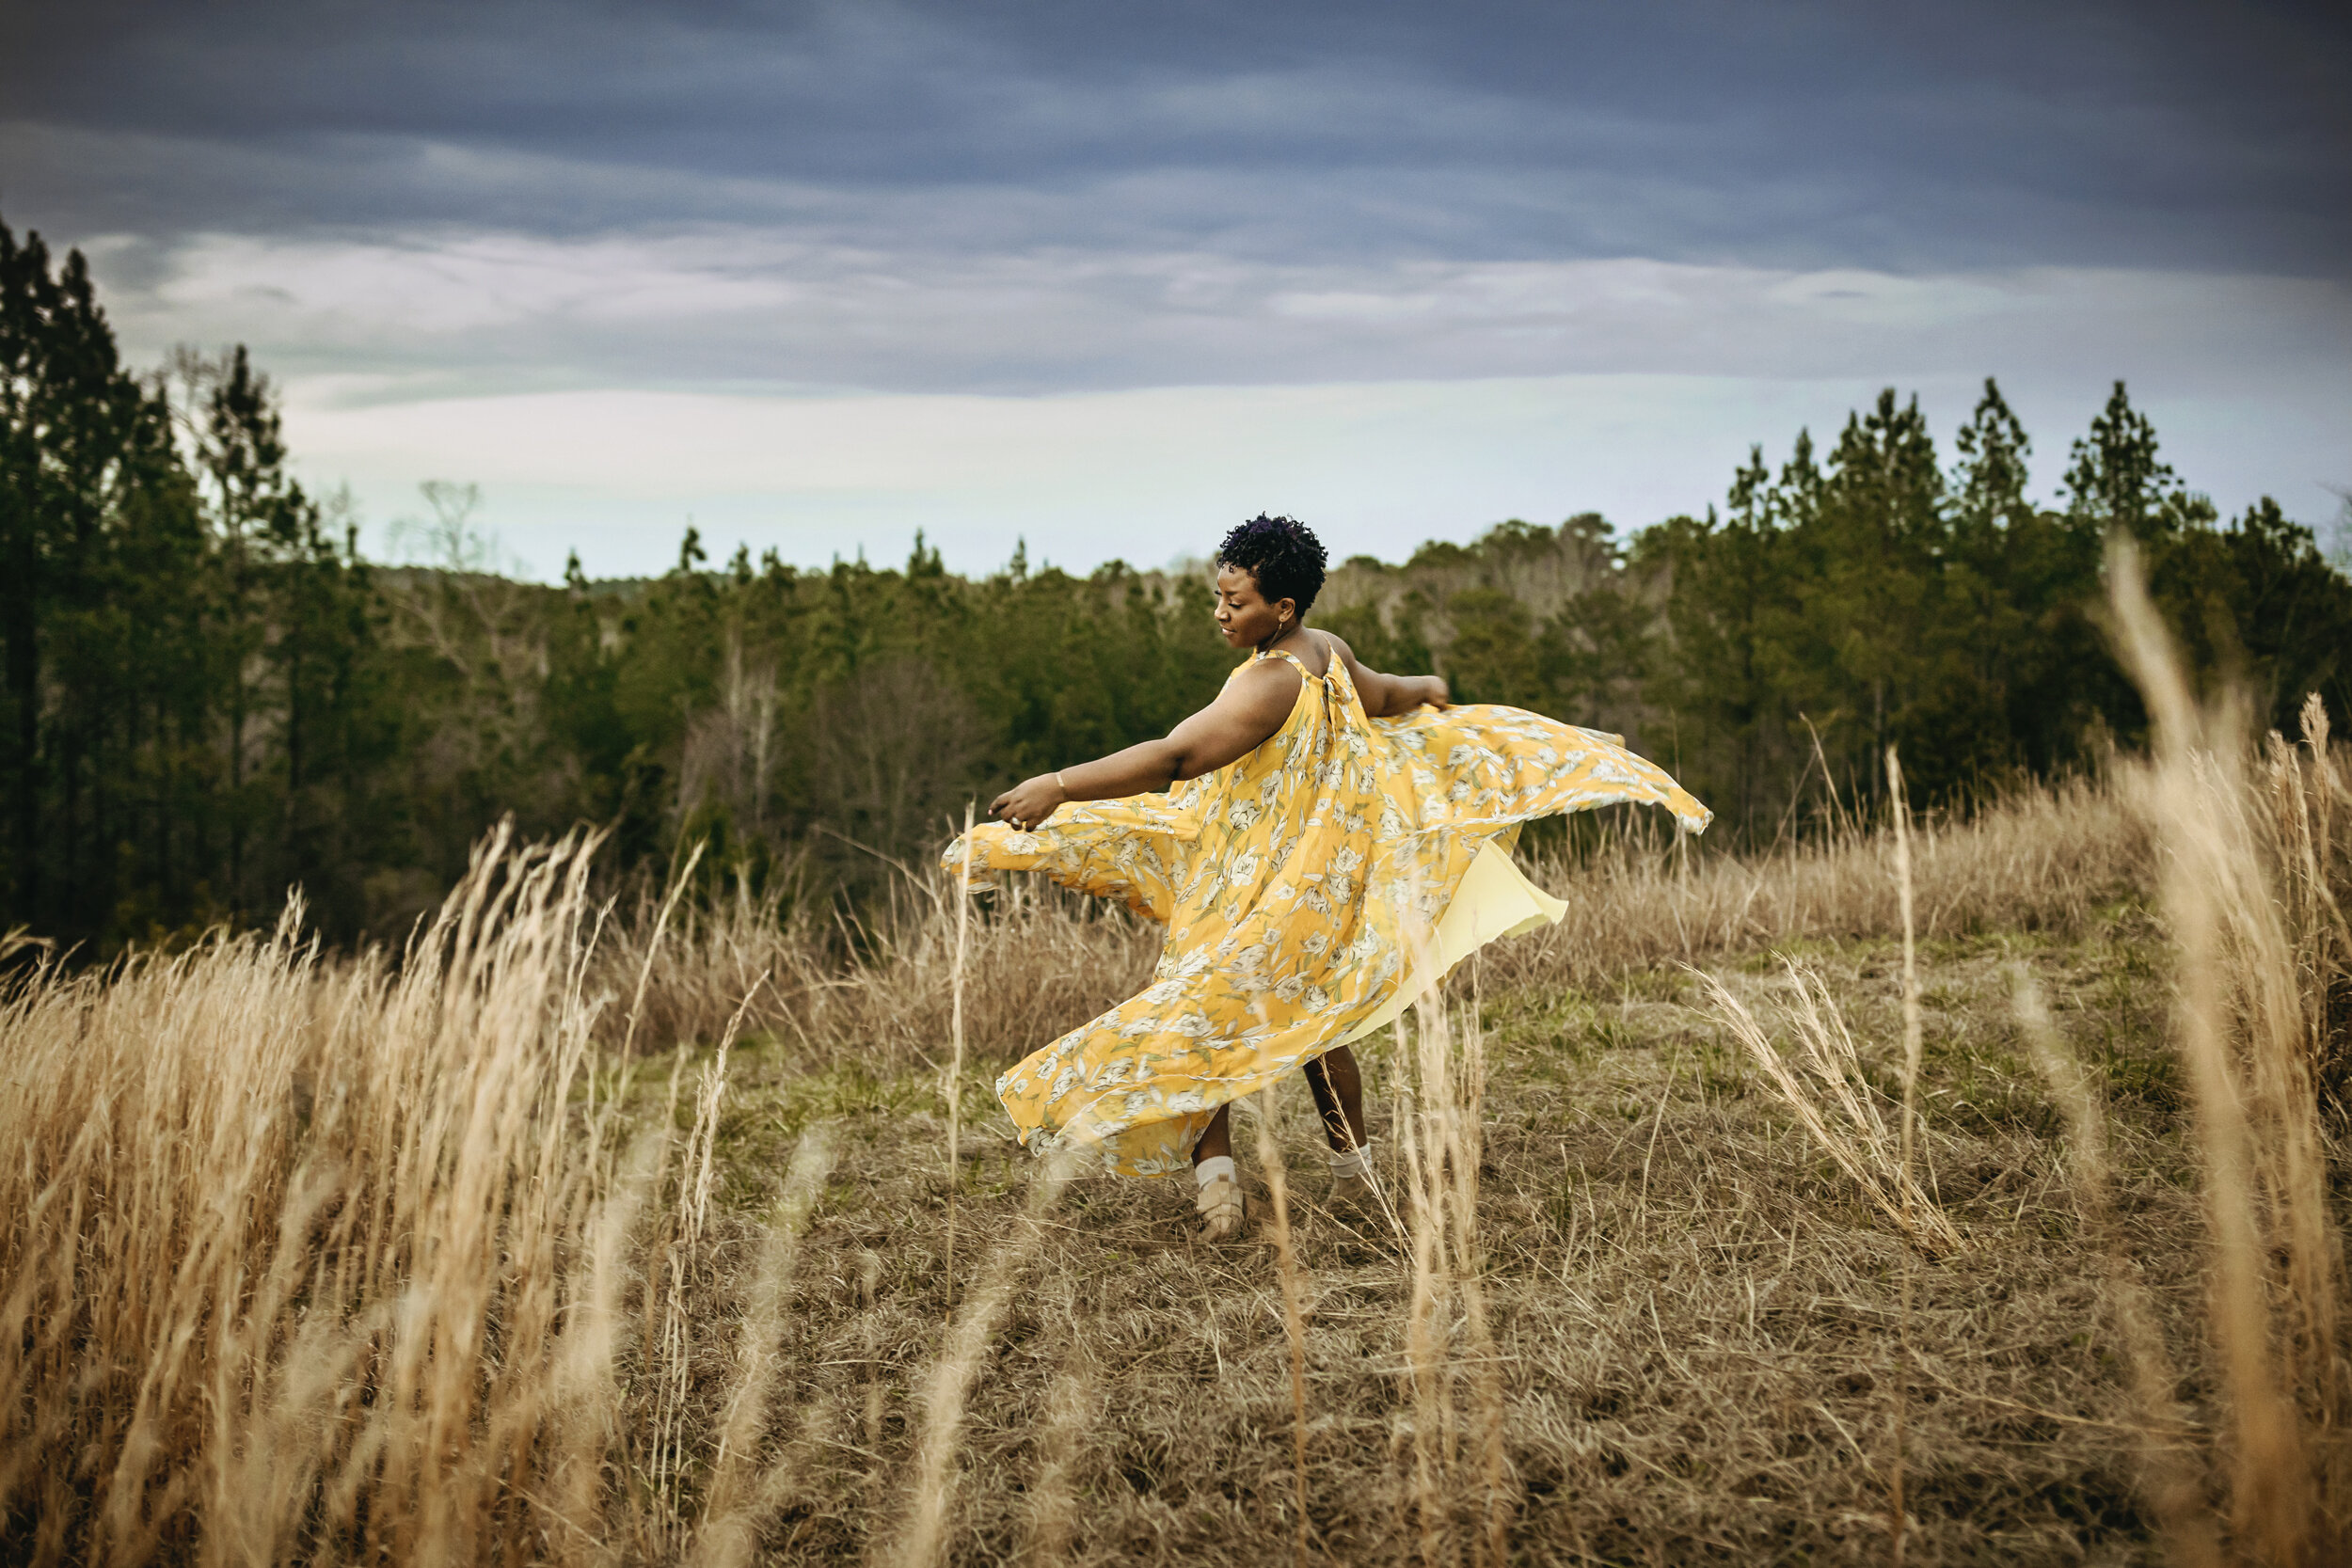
(1859, 1147)
(653, 948)
(732, 1511)
(922, 1537)
(669, 1462)
(2233, 961)
(2173, 1487)
(1440, 1078)
(1293, 1319)
(1053, 1501)
(1428, 1385)
(1491, 1545)
(954, 1086)
(1423, 1093)
(1913, 1044)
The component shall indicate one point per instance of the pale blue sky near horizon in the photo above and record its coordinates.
(1106, 280)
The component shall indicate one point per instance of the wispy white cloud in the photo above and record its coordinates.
(743, 306)
(340, 297)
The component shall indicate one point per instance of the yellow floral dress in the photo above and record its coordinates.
(1311, 889)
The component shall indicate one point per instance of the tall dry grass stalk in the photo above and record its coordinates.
(678, 1252)
(737, 1502)
(923, 1536)
(1833, 1101)
(2174, 1489)
(1294, 1307)
(1914, 1038)
(655, 929)
(954, 1086)
(1070, 1410)
(2306, 792)
(2247, 857)
(1825, 1088)
(333, 1262)
(1440, 1079)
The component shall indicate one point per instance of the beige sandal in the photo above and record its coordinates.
(1350, 1190)
(1222, 1209)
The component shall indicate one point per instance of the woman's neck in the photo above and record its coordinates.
(1298, 643)
(1295, 636)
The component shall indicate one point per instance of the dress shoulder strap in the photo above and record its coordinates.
(1330, 657)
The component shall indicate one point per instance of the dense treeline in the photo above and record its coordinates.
(210, 696)
(1878, 597)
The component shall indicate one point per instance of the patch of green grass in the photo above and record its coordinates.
(2133, 1073)
(1723, 1071)
(1654, 985)
(847, 1091)
(1964, 947)
(1943, 999)
(1554, 1031)
(1987, 1091)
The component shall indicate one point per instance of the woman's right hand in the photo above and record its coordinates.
(1435, 692)
(1029, 803)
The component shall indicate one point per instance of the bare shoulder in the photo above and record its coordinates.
(1267, 683)
(1339, 645)
(1256, 702)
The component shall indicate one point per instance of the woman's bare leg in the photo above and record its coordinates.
(1338, 1086)
(1338, 1091)
(1218, 1199)
(1218, 1137)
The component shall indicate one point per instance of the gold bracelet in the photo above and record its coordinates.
(1057, 780)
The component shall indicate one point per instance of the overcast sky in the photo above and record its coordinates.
(1111, 275)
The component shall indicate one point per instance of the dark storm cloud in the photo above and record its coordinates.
(1883, 136)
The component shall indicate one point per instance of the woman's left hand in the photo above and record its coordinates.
(1028, 804)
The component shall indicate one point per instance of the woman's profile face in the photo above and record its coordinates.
(1243, 617)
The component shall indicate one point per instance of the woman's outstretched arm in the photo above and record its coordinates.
(1391, 696)
(1245, 714)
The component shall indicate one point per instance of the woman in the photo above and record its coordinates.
(1334, 840)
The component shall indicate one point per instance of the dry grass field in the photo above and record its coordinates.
(1986, 1176)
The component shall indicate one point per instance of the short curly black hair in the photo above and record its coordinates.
(1282, 554)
